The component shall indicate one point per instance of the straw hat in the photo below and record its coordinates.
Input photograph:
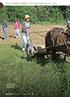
(27, 16)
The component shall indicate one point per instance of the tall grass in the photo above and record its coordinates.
(34, 77)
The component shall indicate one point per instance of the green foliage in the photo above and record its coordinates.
(3, 13)
(55, 15)
(52, 14)
(68, 12)
(21, 11)
(42, 13)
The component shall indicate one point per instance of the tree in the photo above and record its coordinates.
(3, 13)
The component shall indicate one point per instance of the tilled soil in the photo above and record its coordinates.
(37, 34)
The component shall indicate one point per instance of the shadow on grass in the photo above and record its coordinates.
(56, 60)
(16, 47)
(27, 58)
(60, 62)
(41, 60)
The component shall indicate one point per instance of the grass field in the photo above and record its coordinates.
(31, 78)
(35, 77)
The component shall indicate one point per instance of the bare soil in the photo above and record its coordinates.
(37, 34)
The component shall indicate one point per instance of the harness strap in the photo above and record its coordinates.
(67, 46)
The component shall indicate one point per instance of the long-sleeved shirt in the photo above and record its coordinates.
(26, 26)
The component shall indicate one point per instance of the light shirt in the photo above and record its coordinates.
(26, 26)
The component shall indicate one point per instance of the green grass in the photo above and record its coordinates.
(34, 77)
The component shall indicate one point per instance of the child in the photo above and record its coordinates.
(5, 28)
(17, 28)
(25, 30)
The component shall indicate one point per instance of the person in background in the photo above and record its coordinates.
(17, 28)
(25, 31)
(68, 23)
(5, 28)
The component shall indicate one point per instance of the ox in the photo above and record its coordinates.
(57, 39)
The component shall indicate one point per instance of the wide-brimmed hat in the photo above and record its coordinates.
(27, 17)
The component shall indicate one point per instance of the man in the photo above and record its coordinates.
(25, 30)
(68, 23)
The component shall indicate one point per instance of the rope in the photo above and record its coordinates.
(38, 34)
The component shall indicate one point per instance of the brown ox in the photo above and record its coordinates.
(55, 37)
